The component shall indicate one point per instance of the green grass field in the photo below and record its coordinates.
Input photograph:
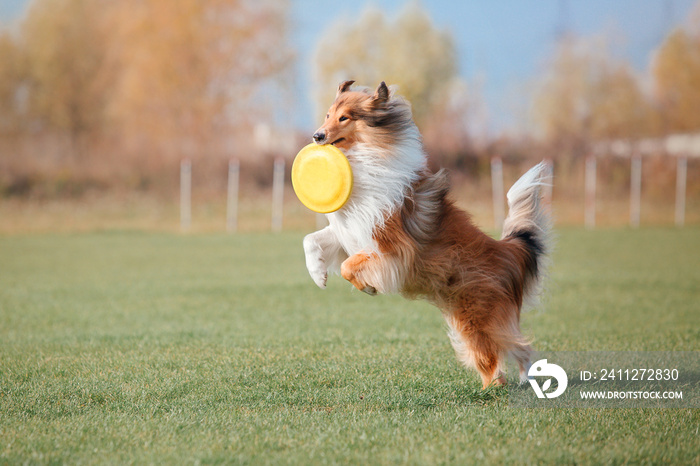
(122, 347)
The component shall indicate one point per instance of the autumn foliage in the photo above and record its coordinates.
(103, 92)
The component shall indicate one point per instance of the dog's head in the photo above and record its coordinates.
(360, 116)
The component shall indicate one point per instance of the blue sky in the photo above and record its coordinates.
(503, 43)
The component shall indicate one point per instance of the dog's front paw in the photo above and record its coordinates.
(320, 278)
(315, 263)
(317, 270)
(352, 269)
(370, 290)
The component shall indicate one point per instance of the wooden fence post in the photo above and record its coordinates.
(232, 196)
(185, 194)
(590, 183)
(277, 195)
(635, 189)
(681, 176)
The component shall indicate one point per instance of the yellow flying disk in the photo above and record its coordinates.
(322, 178)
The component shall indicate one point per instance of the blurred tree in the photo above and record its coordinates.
(189, 68)
(64, 43)
(172, 77)
(561, 105)
(619, 109)
(449, 135)
(12, 75)
(676, 75)
(585, 95)
(410, 52)
(135, 84)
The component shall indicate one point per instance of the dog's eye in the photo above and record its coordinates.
(327, 115)
(342, 118)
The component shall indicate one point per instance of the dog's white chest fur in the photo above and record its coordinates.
(381, 181)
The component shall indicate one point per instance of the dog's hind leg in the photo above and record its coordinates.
(476, 349)
(487, 360)
(511, 338)
(521, 354)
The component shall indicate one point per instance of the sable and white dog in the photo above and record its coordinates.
(399, 233)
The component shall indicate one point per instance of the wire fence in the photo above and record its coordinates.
(498, 190)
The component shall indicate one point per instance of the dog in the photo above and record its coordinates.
(399, 232)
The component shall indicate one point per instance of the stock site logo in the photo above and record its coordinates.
(542, 369)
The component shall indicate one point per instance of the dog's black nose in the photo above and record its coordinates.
(319, 137)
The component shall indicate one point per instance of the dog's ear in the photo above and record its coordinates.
(344, 87)
(381, 95)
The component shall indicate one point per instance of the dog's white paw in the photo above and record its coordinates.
(315, 263)
(317, 270)
(320, 278)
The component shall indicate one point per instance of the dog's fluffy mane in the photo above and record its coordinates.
(385, 169)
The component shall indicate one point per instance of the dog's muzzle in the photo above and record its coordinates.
(319, 137)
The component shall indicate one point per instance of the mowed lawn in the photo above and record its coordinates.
(120, 347)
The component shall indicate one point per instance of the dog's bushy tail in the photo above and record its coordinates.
(529, 222)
